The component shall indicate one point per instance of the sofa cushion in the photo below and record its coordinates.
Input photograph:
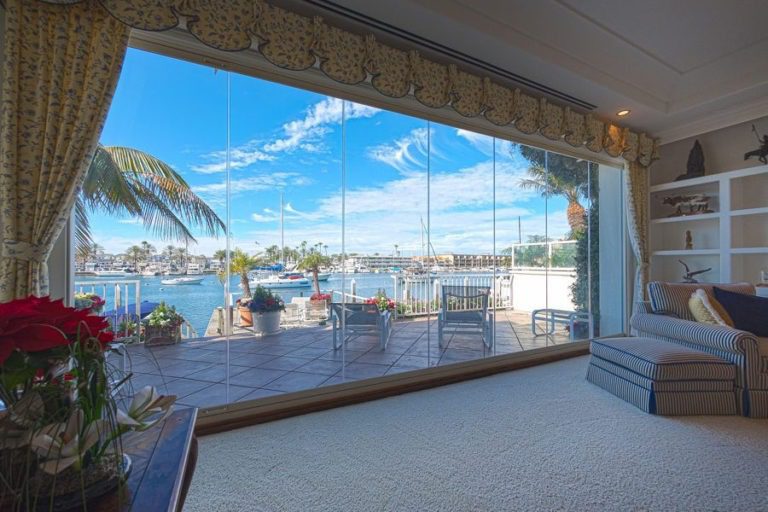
(707, 310)
(749, 312)
(672, 298)
(662, 360)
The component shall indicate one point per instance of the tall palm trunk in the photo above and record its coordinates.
(316, 280)
(575, 214)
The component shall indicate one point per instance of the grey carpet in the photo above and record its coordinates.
(536, 439)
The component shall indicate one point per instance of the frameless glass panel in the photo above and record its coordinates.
(607, 243)
(286, 225)
(460, 260)
(521, 240)
(568, 248)
(386, 242)
(156, 239)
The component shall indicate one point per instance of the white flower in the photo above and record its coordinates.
(146, 404)
(61, 445)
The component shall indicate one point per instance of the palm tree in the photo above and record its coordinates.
(312, 262)
(127, 181)
(272, 253)
(135, 254)
(241, 263)
(180, 254)
(220, 255)
(149, 249)
(559, 184)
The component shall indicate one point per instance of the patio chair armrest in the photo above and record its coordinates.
(715, 337)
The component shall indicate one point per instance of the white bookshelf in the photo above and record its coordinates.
(733, 240)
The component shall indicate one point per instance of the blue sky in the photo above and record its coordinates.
(290, 140)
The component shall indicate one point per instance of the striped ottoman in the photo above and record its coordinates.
(664, 378)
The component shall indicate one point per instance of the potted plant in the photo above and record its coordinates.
(241, 264)
(265, 307)
(89, 301)
(60, 430)
(318, 305)
(383, 302)
(162, 326)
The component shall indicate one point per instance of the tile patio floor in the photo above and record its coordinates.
(303, 358)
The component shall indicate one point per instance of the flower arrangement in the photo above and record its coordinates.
(162, 326)
(61, 425)
(320, 296)
(382, 302)
(163, 316)
(264, 301)
(89, 301)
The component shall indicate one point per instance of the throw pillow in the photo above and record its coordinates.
(749, 312)
(707, 310)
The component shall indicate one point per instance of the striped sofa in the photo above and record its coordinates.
(663, 378)
(667, 317)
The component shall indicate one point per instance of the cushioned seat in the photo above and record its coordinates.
(663, 378)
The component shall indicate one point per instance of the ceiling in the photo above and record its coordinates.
(683, 67)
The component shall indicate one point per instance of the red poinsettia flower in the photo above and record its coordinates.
(36, 324)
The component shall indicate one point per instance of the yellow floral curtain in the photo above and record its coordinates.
(637, 190)
(61, 67)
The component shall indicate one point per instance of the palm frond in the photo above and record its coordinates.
(158, 218)
(107, 188)
(83, 237)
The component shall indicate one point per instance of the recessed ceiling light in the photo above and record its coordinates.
(623, 113)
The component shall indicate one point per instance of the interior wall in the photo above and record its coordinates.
(723, 151)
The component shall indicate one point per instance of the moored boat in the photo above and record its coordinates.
(282, 281)
(110, 273)
(182, 280)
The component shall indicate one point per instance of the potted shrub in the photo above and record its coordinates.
(265, 308)
(240, 264)
(244, 308)
(162, 326)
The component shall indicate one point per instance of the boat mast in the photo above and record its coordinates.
(282, 230)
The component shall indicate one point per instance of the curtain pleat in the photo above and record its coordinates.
(637, 189)
(61, 68)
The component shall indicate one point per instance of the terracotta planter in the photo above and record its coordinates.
(266, 323)
(246, 317)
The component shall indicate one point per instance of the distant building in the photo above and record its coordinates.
(379, 262)
(459, 261)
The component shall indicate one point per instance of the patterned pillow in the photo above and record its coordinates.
(707, 310)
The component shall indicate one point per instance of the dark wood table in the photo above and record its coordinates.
(164, 460)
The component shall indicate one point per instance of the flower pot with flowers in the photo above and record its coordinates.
(61, 426)
(265, 306)
(383, 302)
(90, 301)
(162, 326)
(318, 305)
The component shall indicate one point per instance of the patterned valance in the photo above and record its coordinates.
(295, 42)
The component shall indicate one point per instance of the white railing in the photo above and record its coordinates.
(522, 289)
(123, 298)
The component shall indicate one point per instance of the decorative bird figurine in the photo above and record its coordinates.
(688, 277)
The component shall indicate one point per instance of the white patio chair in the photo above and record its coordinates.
(464, 310)
(361, 319)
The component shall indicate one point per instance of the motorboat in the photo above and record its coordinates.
(293, 280)
(321, 276)
(182, 280)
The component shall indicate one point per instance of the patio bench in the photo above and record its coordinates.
(550, 317)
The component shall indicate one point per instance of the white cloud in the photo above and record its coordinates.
(407, 154)
(305, 133)
(270, 181)
(133, 220)
(239, 157)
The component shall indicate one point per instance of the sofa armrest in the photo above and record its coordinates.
(712, 336)
(642, 307)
